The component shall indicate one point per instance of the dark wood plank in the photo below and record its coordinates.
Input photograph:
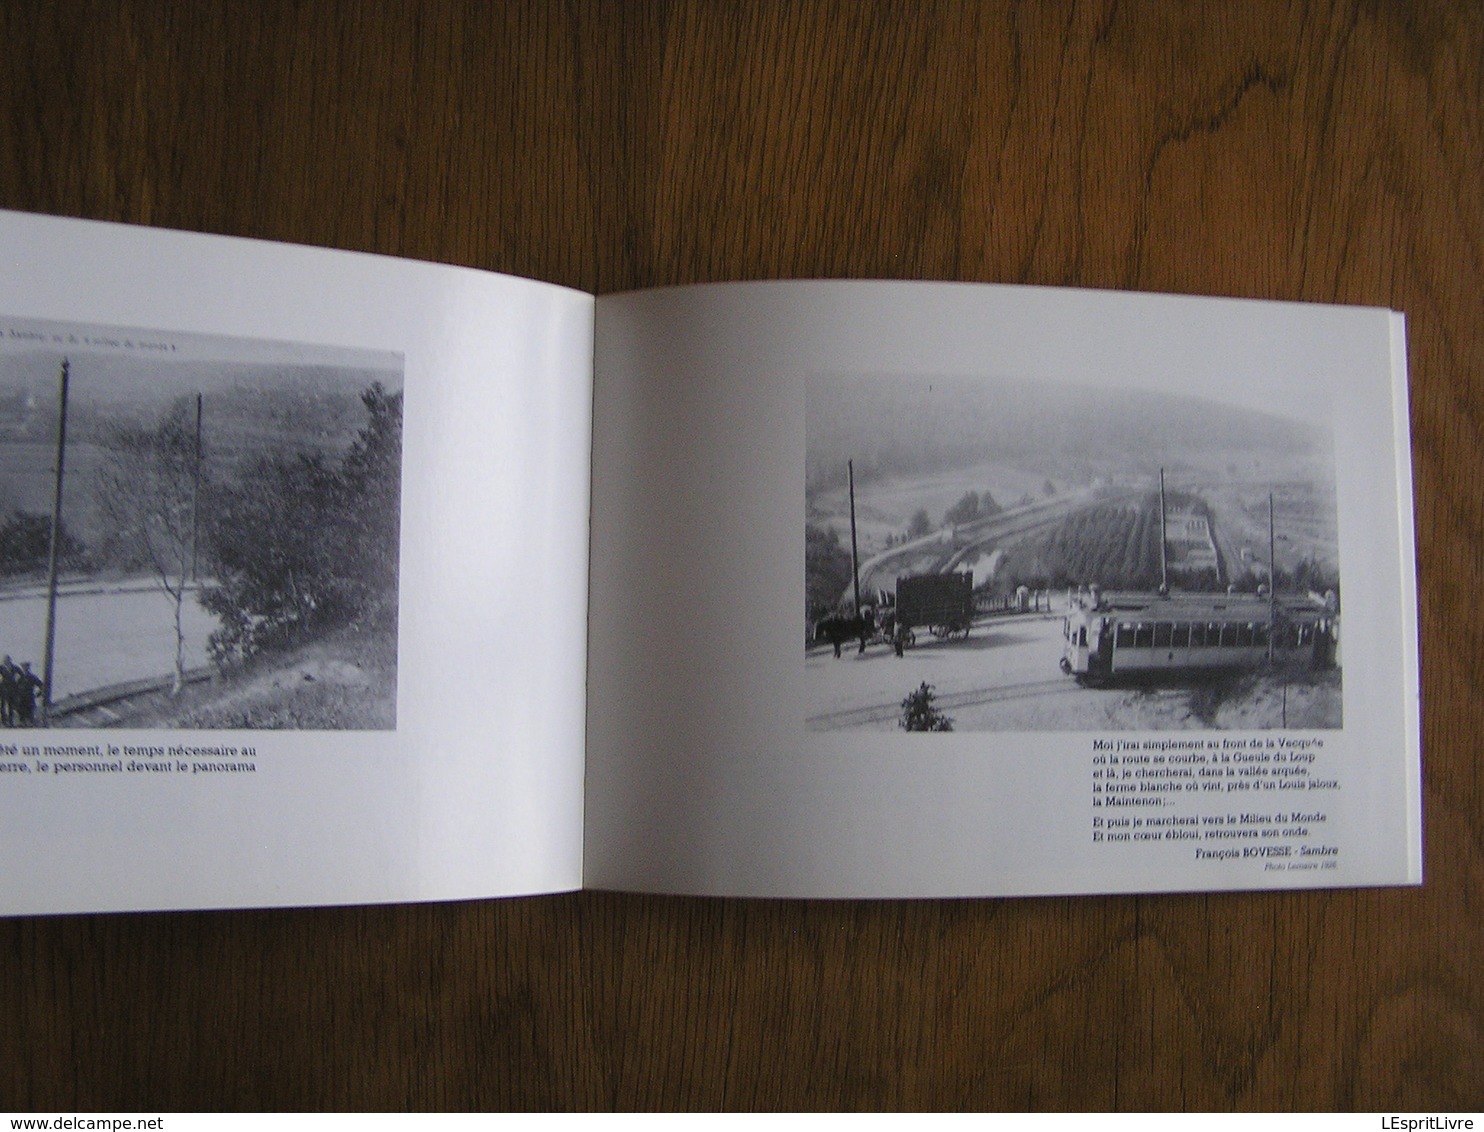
(1329, 151)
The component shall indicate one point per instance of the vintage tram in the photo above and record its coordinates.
(1131, 636)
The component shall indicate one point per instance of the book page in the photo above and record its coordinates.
(922, 590)
(320, 615)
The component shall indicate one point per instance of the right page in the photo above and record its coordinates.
(929, 590)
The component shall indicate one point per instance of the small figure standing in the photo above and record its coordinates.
(27, 685)
(8, 684)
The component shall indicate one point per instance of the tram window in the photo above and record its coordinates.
(1125, 638)
(1244, 636)
(1198, 635)
(1260, 634)
(1181, 637)
(1228, 635)
(1144, 636)
(1162, 634)
(1082, 636)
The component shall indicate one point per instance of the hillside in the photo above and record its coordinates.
(911, 429)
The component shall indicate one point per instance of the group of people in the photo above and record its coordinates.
(19, 687)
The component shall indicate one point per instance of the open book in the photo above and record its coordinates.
(376, 580)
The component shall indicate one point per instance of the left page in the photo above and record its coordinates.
(313, 630)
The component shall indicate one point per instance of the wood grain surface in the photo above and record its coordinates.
(1331, 151)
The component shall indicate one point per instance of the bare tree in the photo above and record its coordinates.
(146, 487)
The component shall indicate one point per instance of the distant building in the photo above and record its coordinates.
(1188, 541)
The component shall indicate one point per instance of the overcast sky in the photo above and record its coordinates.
(108, 361)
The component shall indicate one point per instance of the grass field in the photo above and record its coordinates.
(885, 507)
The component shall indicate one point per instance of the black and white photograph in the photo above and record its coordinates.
(196, 531)
(992, 554)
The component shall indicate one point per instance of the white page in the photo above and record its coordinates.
(716, 760)
(476, 790)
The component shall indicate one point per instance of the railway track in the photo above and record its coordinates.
(106, 707)
(881, 713)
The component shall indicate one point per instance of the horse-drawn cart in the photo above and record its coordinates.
(942, 603)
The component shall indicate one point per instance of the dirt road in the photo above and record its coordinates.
(1005, 678)
(104, 637)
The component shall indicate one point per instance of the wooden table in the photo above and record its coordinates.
(1331, 151)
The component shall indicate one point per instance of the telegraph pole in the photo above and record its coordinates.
(855, 573)
(1273, 601)
(196, 493)
(1164, 575)
(53, 553)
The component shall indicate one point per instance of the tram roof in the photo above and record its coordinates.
(1205, 606)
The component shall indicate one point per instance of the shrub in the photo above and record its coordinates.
(300, 543)
(919, 714)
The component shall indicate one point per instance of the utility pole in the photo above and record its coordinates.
(1164, 576)
(1273, 588)
(196, 493)
(53, 553)
(855, 573)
